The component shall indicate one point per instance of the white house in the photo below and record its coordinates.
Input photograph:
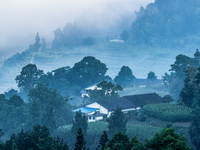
(103, 109)
(93, 87)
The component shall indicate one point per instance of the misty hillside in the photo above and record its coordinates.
(167, 22)
(159, 33)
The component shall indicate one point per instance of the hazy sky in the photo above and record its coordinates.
(20, 20)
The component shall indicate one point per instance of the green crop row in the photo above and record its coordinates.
(168, 112)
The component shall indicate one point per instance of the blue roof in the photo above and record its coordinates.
(86, 109)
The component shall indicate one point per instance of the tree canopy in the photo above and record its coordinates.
(158, 24)
(28, 77)
(151, 75)
(167, 139)
(88, 71)
(125, 77)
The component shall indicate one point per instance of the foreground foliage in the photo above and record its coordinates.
(167, 140)
(40, 139)
(194, 129)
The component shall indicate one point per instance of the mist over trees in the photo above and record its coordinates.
(158, 24)
(46, 98)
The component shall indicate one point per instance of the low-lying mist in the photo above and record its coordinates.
(21, 20)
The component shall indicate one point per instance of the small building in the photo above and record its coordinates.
(93, 87)
(102, 109)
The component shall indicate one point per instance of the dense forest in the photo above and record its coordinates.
(46, 83)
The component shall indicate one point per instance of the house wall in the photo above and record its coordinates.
(124, 110)
(102, 109)
(93, 119)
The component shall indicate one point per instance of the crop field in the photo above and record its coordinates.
(168, 112)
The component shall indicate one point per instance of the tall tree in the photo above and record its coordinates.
(88, 71)
(103, 141)
(37, 44)
(80, 121)
(117, 122)
(197, 58)
(80, 142)
(187, 94)
(28, 77)
(125, 77)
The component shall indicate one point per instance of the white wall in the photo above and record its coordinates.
(102, 109)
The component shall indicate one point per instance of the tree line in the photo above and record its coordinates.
(39, 137)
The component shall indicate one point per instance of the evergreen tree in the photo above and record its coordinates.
(119, 139)
(37, 43)
(80, 121)
(197, 58)
(102, 142)
(80, 142)
(187, 93)
(117, 122)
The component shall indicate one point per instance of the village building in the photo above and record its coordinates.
(102, 109)
(84, 92)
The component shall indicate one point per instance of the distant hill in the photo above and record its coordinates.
(166, 20)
